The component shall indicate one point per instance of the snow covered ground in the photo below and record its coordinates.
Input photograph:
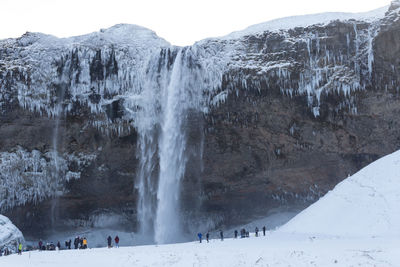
(276, 249)
(356, 224)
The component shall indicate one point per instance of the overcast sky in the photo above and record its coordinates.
(180, 22)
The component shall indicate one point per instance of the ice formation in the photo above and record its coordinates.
(10, 235)
(30, 176)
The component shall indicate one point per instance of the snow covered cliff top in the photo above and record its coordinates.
(10, 235)
(308, 20)
(365, 204)
(121, 34)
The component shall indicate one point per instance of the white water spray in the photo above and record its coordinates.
(172, 158)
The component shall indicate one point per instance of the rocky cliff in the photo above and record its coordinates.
(105, 124)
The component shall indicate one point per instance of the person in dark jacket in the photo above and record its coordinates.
(236, 233)
(208, 236)
(200, 235)
(58, 245)
(221, 234)
(76, 242)
(116, 239)
(40, 244)
(109, 241)
(264, 230)
(256, 231)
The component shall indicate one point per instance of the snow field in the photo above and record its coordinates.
(276, 249)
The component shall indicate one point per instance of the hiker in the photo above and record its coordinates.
(69, 244)
(76, 242)
(236, 233)
(20, 249)
(264, 230)
(109, 241)
(207, 236)
(40, 244)
(256, 231)
(81, 243)
(84, 243)
(200, 236)
(221, 234)
(247, 234)
(242, 233)
(58, 245)
(116, 242)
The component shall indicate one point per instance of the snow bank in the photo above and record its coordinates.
(365, 204)
(10, 235)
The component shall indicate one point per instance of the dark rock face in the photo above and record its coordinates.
(105, 182)
(295, 112)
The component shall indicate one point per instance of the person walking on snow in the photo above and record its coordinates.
(109, 241)
(256, 231)
(76, 242)
(200, 236)
(20, 249)
(207, 236)
(84, 243)
(236, 233)
(116, 242)
(221, 234)
(264, 230)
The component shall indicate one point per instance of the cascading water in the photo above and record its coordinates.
(172, 158)
(56, 173)
(173, 88)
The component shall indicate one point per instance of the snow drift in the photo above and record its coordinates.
(10, 235)
(365, 204)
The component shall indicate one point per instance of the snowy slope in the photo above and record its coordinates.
(365, 204)
(10, 235)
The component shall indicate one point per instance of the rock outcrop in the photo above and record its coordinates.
(273, 117)
(10, 235)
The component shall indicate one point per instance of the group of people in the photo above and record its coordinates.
(109, 241)
(200, 236)
(243, 234)
(79, 242)
(5, 251)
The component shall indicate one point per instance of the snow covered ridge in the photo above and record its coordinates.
(10, 235)
(308, 20)
(313, 56)
(123, 63)
(365, 204)
(31, 176)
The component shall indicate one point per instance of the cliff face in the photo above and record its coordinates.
(265, 118)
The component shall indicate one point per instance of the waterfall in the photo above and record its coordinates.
(56, 173)
(172, 88)
(172, 158)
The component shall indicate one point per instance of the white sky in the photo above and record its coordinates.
(181, 22)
